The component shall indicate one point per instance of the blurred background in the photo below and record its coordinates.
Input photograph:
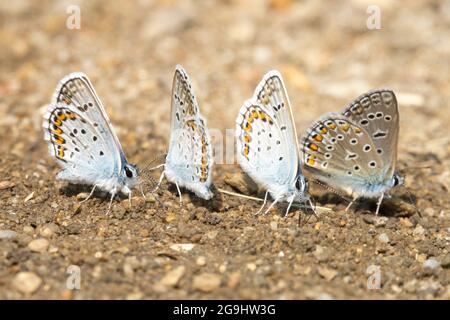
(325, 51)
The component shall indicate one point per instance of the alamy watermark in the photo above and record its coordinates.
(73, 281)
(73, 21)
(373, 22)
(374, 279)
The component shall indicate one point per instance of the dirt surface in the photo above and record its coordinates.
(328, 57)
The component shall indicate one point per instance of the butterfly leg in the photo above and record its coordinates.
(159, 182)
(379, 204)
(113, 194)
(351, 202)
(129, 198)
(271, 206)
(142, 191)
(313, 207)
(179, 194)
(264, 203)
(90, 194)
(289, 206)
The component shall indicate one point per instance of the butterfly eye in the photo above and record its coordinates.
(128, 172)
(396, 182)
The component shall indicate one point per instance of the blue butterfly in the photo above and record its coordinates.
(81, 138)
(267, 147)
(189, 161)
(356, 150)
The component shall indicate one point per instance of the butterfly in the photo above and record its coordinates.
(189, 160)
(81, 138)
(356, 150)
(267, 147)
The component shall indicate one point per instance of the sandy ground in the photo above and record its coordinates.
(219, 249)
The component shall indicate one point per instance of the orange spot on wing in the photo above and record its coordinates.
(246, 151)
(263, 116)
(357, 130)
(318, 137)
(323, 130)
(59, 140)
(71, 115)
(311, 161)
(57, 131)
(313, 147)
(345, 127)
(331, 125)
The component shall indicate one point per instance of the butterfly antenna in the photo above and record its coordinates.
(152, 182)
(331, 190)
(235, 194)
(149, 166)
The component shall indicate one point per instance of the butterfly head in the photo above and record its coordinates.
(301, 187)
(398, 180)
(130, 174)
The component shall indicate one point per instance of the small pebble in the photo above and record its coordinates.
(201, 261)
(431, 263)
(233, 280)
(206, 282)
(182, 247)
(28, 230)
(445, 263)
(321, 253)
(326, 273)
(383, 238)
(274, 225)
(7, 234)
(418, 231)
(6, 185)
(26, 282)
(82, 196)
(29, 197)
(251, 266)
(134, 296)
(406, 222)
(173, 277)
(38, 245)
(49, 230)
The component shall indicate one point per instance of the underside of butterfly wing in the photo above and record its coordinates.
(262, 150)
(341, 154)
(377, 113)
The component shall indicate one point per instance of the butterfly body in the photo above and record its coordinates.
(355, 151)
(81, 138)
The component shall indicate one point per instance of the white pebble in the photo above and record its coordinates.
(7, 234)
(26, 282)
(431, 263)
(383, 238)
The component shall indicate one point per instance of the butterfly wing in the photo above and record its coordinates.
(342, 154)
(271, 95)
(79, 133)
(262, 148)
(377, 112)
(189, 160)
(76, 91)
(79, 146)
